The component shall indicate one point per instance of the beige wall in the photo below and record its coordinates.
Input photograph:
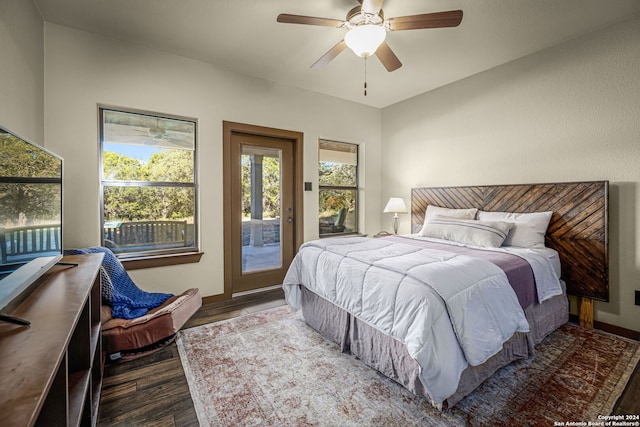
(564, 114)
(83, 70)
(22, 69)
(568, 113)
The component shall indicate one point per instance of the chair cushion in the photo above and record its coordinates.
(120, 335)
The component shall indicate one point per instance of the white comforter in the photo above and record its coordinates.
(449, 310)
(544, 263)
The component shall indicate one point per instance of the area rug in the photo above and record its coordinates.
(271, 369)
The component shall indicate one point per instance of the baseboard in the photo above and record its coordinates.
(213, 298)
(242, 295)
(613, 329)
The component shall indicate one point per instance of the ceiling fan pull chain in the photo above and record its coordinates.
(365, 76)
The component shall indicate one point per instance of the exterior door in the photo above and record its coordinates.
(262, 198)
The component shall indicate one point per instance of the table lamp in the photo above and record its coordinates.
(395, 205)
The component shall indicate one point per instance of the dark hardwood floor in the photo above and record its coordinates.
(153, 391)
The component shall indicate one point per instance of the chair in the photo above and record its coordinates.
(338, 224)
(144, 322)
(130, 339)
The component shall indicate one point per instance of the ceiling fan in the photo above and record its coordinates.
(154, 136)
(367, 30)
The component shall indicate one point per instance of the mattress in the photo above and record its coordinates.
(380, 287)
(533, 273)
(551, 254)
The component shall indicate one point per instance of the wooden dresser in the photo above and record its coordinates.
(51, 371)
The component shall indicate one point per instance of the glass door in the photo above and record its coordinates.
(263, 214)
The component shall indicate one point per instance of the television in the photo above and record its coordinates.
(30, 216)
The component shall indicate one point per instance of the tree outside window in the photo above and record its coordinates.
(148, 182)
(31, 186)
(338, 188)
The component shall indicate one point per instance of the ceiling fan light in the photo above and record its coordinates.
(364, 40)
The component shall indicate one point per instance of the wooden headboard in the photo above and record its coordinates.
(578, 227)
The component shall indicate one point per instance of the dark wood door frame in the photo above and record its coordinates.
(297, 138)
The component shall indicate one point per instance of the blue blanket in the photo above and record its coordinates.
(127, 301)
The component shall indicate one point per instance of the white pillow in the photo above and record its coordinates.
(469, 231)
(433, 211)
(529, 229)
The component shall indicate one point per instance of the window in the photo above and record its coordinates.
(338, 188)
(148, 183)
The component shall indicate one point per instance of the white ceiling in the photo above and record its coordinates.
(243, 35)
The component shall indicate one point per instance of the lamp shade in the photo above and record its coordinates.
(364, 40)
(395, 205)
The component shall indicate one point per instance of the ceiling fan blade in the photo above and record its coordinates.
(451, 18)
(388, 58)
(372, 6)
(328, 57)
(286, 18)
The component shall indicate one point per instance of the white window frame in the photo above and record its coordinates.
(355, 188)
(104, 183)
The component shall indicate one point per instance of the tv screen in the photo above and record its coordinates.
(30, 214)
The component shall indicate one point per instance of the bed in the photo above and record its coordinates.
(440, 316)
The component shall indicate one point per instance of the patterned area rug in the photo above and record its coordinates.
(270, 368)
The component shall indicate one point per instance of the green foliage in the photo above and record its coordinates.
(270, 187)
(118, 167)
(39, 202)
(333, 199)
(22, 159)
(171, 166)
(133, 203)
(337, 174)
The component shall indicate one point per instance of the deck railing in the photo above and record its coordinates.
(33, 239)
(144, 233)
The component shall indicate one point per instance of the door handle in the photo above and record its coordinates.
(289, 219)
